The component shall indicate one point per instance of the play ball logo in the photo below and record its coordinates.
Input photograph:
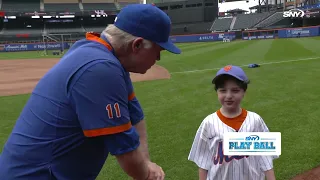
(248, 143)
(294, 13)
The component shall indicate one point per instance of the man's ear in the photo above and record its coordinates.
(137, 45)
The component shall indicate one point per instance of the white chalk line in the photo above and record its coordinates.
(268, 63)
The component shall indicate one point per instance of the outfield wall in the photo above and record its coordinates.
(33, 47)
(282, 33)
(251, 35)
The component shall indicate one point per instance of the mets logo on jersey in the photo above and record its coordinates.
(220, 157)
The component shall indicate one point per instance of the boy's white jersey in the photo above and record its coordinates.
(207, 150)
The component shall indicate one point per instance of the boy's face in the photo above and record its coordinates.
(230, 95)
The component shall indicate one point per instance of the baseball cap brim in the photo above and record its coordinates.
(217, 77)
(169, 46)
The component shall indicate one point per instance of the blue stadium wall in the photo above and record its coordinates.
(284, 33)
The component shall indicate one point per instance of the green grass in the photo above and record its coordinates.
(286, 95)
(27, 55)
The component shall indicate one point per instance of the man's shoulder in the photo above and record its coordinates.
(97, 71)
(89, 50)
(94, 59)
(104, 68)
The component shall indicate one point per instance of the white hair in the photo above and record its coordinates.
(120, 39)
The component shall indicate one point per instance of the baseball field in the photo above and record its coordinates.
(285, 91)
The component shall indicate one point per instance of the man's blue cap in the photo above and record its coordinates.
(149, 22)
(234, 71)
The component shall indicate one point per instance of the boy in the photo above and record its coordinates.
(207, 149)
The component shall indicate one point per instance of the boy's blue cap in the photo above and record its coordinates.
(149, 22)
(234, 71)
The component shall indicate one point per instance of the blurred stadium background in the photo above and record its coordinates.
(34, 21)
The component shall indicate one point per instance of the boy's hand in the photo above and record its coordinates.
(270, 174)
(155, 171)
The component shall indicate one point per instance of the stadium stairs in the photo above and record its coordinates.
(118, 6)
(274, 18)
(234, 19)
(81, 6)
(41, 5)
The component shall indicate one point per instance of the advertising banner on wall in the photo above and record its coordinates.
(203, 37)
(33, 47)
(298, 32)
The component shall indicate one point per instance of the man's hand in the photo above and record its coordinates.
(155, 171)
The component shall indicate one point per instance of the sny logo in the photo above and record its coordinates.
(293, 13)
(252, 138)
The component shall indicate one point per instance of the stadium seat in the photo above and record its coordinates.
(245, 21)
(20, 5)
(221, 24)
(124, 3)
(190, 28)
(61, 5)
(270, 20)
(91, 5)
(94, 29)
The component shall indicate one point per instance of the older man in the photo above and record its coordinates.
(85, 108)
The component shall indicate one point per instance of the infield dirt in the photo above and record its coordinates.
(21, 76)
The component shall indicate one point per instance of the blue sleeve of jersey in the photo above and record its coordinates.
(99, 97)
(122, 142)
(135, 110)
(136, 113)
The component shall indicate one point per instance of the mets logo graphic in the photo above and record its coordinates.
(227, 68)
